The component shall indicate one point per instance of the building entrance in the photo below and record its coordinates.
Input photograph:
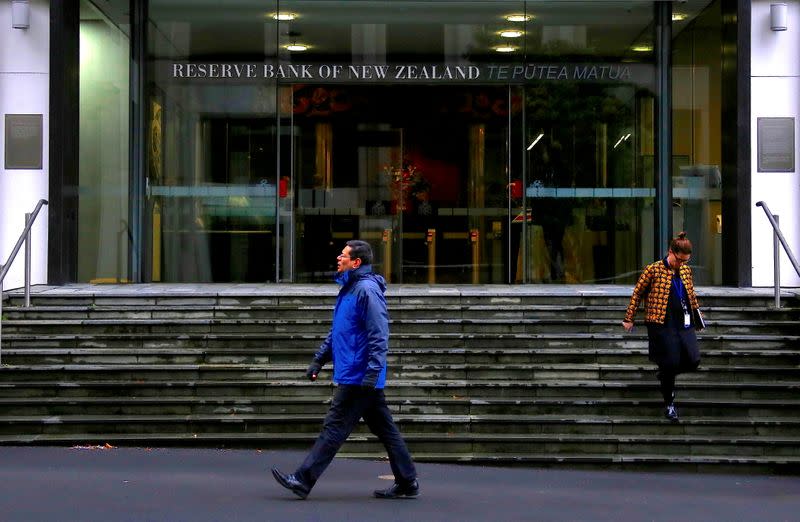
(475, 142)
(475, 184)
(451, 184)
(421, 172)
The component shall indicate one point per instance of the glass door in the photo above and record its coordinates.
(216, 222)
(418, 171)
(589, 183)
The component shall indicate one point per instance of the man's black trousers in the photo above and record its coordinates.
(350, 404)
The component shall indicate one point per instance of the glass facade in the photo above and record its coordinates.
(697, 140)
(470, 142)
(104, 134)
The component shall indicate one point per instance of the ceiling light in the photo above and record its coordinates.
(284, 17)
(296, 47)
(519, 17)
(505, 48)
(678, 17)
(642, 48)
(511, 33)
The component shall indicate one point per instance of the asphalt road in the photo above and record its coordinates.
(137, 484)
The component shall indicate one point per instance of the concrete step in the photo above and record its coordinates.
(427, 372)
(650, 431)
(397, 312)
(355, 448)
(509, 356)
(426, 340)
(579, 389)
(419, 295)
(401, 326)
(483, 374)
(419, 405)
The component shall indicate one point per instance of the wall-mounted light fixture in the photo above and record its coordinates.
(777, 16)
(20, 14)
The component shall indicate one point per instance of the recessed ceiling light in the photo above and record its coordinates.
(296, 47)
(511, 33)
(642, 48)
(519, 17)
(284, 16)
(677, 17)
(505, 48)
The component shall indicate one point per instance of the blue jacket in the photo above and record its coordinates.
(359, 338)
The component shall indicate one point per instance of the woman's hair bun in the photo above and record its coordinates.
(681, 235)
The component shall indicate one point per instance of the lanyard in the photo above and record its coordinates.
(678, 284)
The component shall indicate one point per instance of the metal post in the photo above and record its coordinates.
(663, 38)
(430, 241)
(1, 316)
(476, 255)
(387, 254)
(138, 148)
(27, 262)
(776, 262)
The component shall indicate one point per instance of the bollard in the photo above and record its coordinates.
(387, 254)
(430, 241)
(474, 238)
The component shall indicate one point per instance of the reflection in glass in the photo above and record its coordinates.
(212, 178)
(103, 234)
(549, 179)
(589, 190)
(697, 139)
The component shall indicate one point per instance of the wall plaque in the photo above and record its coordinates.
(23, 141)
(775, 144)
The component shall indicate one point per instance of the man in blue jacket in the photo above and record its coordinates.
(357, 344)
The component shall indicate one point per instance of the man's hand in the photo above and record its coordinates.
(628, 325)
(313, 370)
(369, 381)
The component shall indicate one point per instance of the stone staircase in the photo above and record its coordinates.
(508, 375)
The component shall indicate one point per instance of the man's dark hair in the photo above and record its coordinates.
(360, 250)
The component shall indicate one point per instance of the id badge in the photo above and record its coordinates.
(687, 320)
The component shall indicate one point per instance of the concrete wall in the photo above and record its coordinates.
(24, 89)
(775, 91)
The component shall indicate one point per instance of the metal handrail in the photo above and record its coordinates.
(25, 237)
(778, 237)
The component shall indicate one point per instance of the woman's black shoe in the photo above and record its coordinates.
(398, 491)
(671, 413)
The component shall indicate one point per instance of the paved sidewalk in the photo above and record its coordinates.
(134, 484)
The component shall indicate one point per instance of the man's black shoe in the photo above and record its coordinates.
(399, 491)
(291, 483)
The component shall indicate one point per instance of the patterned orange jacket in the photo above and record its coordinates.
(654, 286)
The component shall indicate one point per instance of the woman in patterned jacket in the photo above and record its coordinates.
(670, 304)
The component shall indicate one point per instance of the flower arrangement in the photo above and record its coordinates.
(406, 181)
